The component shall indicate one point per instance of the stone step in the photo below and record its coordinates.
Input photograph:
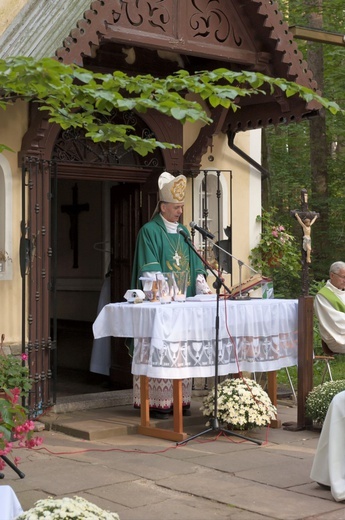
(93, 401)
(104, 415)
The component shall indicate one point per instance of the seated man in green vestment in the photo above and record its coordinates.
(329, 306)
(160, 249)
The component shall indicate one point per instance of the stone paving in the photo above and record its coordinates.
(143, 478)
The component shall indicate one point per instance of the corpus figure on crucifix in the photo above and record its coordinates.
(306, 219)
(306, 225)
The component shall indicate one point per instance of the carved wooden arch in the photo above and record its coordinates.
(41, 136)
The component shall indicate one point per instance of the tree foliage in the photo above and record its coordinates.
(291, 153)
(76, 97)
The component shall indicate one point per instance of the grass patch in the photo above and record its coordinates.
(337, 368)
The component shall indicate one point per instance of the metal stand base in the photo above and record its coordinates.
(12, 466)
(216, 428)
(214, 421)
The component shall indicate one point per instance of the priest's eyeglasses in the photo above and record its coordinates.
(340, 276)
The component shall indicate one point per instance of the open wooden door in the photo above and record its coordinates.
(125, 223)
(131, 206)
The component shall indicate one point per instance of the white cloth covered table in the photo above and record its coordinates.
(10, 506)
(329, 461)
(177, 340)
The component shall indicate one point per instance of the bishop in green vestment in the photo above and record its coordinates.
(159, 249)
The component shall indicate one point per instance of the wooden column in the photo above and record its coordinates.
(305, 357)
(305, 361)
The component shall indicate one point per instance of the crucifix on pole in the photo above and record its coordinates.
(73, 211)
(306, 219)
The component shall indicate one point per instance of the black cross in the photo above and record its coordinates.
(73, 211)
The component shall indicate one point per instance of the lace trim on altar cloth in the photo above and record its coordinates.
(161, 393)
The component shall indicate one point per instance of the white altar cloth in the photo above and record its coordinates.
(177, 340)
(10, 506)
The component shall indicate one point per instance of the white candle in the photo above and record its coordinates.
(180, 298)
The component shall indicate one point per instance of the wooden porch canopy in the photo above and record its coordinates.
(160, 37)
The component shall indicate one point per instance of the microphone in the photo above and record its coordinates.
(204, 232)
(183, 233)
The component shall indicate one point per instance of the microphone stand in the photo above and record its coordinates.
(214, 422)
(11, 465)
(206, 264)
(240, 265)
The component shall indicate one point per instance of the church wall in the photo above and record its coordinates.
(246, 193)
(12, 128)
(8, 11)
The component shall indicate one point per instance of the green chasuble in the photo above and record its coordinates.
(156, 251)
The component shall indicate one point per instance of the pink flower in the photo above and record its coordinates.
(32, 443)
(15, 394)
(24, 357)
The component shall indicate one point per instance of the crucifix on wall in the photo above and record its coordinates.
(73, 211)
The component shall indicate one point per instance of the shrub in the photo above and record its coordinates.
(319, 399)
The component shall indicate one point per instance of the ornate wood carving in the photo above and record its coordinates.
(72, 146)
(196, 35)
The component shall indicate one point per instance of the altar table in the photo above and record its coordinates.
(177, 341)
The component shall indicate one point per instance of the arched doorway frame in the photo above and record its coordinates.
(38, 144)
(41, 136)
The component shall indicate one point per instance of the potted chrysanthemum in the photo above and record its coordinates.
(61, 508)
(242, 404)
(319, 399)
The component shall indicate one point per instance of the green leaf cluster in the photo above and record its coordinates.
(14, 374)
(277, 248)
(76, 97)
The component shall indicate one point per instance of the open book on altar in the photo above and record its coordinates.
(254, 282)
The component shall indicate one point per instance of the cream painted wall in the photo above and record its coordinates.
(13, 126)
(254, 188)
(8, 11)
(246, 186)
